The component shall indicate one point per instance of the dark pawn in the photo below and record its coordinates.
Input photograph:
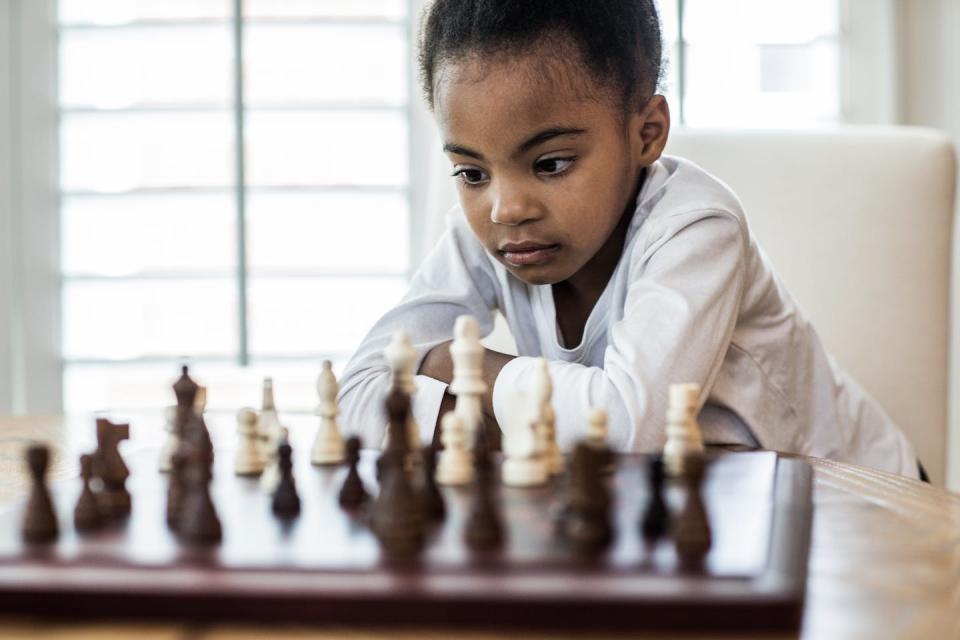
(353, 493)
(398, 412)
(692, 532)
(656, 518)
(198, 522)
(40, 521)
(86, 515)
(586, 520)
(286, 502)
(483, 529)
(433, 505)
(113, 498)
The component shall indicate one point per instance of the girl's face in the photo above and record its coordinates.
(544, 171)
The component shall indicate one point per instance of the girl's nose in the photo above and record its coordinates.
(513, 206)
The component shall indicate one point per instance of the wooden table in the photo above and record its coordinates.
(885, 556)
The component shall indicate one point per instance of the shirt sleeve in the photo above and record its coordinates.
(679, 313)
(456, 278)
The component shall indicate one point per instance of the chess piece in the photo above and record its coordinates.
(597, 437)
(467, 384)
(433, 505)
(353, 493)
(286, 502)
(586, 519)
(198, 522)
(268, 426)
(86, 515)
(522, 464)
(249, 460)
(455, 464)
(397, 518)
(40, 520)
(185, 390)
(546, 428)
(683, 432)
(692, 535)
(172, 441)
(108, 466)
(401, 358)
(483, 529)
(656, 516)
(328, 444)
(270, 478)
(397, 450)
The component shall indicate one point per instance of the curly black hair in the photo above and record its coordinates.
(619, 41)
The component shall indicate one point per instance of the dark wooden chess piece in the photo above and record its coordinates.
(198, 522)
(86, 515)
(185, 429)
(108, 466)
(353, 493)
(398, 412)
(483, 530)
(286, 502)
(656, 516)
(586, 520)
(691, 534)
(40, 520)
(433, 504)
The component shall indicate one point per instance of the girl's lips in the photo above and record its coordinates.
(521, 256)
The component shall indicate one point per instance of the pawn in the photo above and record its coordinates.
(86, 515)
(586, 520)
(597, 437)
(455, 465)
(270, 478)
(353, 493)
(656, 517)
(249, 460)
(328, 444)
(433, 505)
(40, 520)
(692, 535)
(286, 502)
(483, 529)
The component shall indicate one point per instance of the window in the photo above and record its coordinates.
(227, 225)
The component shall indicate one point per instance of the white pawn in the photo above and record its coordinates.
(269, 428)
(249, 460)
(683, 431)
(546, 418)
(401, 358)
(466, 352)
(328, 447)
(270, 478)
(455, 463)
(172, 442)
(523, 466)
(597, 427)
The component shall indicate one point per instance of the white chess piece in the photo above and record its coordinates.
(546, 428)
(597, 427)
(200, 401)
(249, 460)
(328, 446)
(523, 466)
(466, 352)
(172, 442)
(683, 431)
(455, 463)
(270, 478)
(401, 358)
(268, 426)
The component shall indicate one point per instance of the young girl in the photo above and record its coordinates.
(626, 269)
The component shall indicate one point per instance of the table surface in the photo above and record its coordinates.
(884, 561)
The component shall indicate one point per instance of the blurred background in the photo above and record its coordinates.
(247, 185)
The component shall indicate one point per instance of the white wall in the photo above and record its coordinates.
(6, 219)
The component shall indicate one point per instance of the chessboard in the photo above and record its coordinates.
(326, 566)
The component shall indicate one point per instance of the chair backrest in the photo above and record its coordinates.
(858, 223)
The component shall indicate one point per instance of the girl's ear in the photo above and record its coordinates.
(649, 129)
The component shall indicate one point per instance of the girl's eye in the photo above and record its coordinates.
(553, 166)
(470, 176)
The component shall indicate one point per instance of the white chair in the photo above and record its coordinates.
(858, 223)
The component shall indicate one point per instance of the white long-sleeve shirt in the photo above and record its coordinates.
(692, 299)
